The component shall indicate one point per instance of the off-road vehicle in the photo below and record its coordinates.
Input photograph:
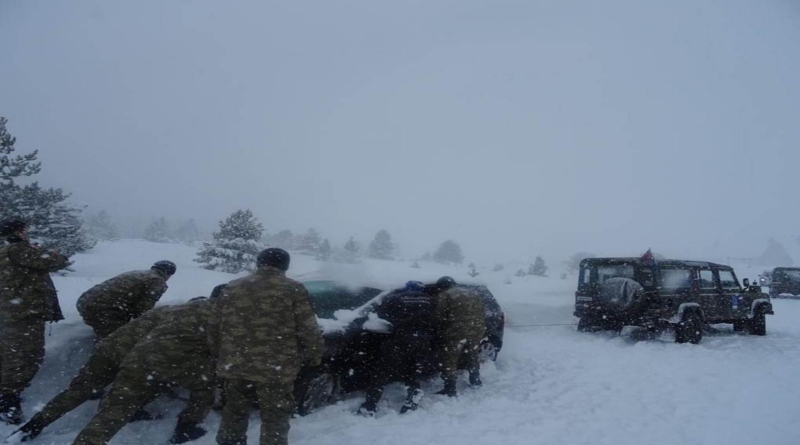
(617, 292)
(785, 282)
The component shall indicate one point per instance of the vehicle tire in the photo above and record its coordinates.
(690, 329)
(758, 324)
(741, 325)
(487, 352)
(318, 393)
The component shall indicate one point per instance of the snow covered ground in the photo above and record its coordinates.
(550, 385)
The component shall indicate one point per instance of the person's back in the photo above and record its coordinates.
(411, 312)
(174, 353)
(462, 318)
(114, 302)
(408, 310)
(263, 331)
(259, 333)
(461, 311)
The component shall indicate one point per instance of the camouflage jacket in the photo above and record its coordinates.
(264, 328)
(119, 343)
(26, 289)
(177, 350)
(460, 312)
(125, 296)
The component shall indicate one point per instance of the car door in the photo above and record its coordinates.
(730, 304)
(710, 294)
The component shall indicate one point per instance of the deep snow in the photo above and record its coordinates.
(550, 385)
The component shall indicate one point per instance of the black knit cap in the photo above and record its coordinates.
(274, 257)
(11, 226)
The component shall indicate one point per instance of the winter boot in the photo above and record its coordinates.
(143, 415)
(475, 378)
(30, 430)
(367, 409)
(10, 409)
(186, 432)
(449, 388)
(412, 401)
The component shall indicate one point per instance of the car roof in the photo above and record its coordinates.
(668, 262)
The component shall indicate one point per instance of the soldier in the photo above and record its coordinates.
(174, 353)
(112, 303)
(462, 325)
(28, 300)
(411, 313)
(264, 330)
(98, 372)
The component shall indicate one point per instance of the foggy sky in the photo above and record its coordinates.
(516, 128)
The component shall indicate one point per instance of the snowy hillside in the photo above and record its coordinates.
(550, 385)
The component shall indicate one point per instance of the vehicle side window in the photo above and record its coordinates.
(727, 280)
(676, 278)
(586, 276)
(707, 280)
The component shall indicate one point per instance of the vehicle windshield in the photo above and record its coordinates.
(793, 275)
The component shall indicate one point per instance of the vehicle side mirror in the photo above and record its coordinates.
(746, 283)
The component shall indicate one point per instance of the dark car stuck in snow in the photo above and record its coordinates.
(684, 295)
(353, 338)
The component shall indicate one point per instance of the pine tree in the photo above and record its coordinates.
(101, 227)
(53, 223)
(381, 247)
(498, 267)
(284, 239)
(415, 265)
(351, 250)
(235, 246)
(538, 268)
(188, 233)
(310, 242)
(325, 250)
(449, 252)
(473, 271)
(158, 231)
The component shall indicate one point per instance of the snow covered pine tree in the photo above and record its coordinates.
(53, 223)
(235, 246)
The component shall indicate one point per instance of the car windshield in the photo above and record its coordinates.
(793, 275)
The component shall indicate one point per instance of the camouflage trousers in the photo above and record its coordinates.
(132, 389)
(106, 323)
(277, 405)
(453, 347)
(21, 353)
(98, 373)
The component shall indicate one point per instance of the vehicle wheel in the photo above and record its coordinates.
(740, 325)
(690, 329)
(758, 324)
(487, 352)
(319, 393)
(584, 324)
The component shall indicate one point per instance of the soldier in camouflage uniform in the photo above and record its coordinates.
(175, 353)
(28, 300)
(99, 371)
(462, 325)
(112, 303)
(263, 330)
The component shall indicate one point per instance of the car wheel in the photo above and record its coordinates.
(758, 324)
(690, 329)
(487, 352)
(319, 392)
